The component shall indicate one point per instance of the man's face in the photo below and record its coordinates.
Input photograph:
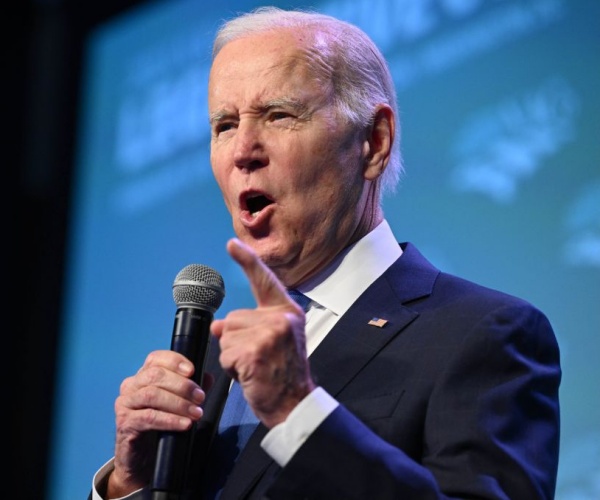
(289, 168)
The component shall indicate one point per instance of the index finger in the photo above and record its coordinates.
(266, 287)
(172, 360)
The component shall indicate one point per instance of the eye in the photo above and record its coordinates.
(223, 127)
(279, 115)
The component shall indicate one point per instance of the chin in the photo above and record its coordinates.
(272, 252)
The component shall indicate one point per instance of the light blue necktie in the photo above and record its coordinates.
(302, 300)
(237, 416)
(236, 425)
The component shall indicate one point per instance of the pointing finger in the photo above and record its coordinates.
(266, 288)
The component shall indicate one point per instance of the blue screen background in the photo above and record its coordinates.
(499, 109)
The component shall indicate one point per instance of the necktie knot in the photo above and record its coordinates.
(302, 300)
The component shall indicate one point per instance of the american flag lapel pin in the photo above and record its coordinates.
(378, 322)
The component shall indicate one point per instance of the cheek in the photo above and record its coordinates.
(338, 170)
(218, 165)
(220, 177)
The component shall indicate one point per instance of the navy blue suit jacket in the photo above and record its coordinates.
(455, 397)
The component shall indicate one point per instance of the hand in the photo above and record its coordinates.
(159, 397)
(265, 348)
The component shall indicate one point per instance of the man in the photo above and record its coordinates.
(400, 381)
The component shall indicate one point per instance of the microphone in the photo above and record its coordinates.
(198, 292)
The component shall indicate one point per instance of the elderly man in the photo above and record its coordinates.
(398, 380)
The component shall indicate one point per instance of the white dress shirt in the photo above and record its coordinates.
(332, 293)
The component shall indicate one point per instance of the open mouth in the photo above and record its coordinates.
(256, 202)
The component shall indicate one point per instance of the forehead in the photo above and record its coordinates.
(264, 66)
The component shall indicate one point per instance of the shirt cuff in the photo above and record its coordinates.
(283, 440)
(99, 484)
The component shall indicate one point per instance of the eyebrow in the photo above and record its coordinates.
(286, 102)
(217, 116)
(280, 102)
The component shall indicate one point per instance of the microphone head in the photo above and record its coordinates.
(200, 287)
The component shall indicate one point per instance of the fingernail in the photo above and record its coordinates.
(195, 411)
(185, 368)
(198, 395)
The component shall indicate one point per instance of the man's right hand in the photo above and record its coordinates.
(159, 397)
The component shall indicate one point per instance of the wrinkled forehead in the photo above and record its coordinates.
(280, 48)
(277, 60)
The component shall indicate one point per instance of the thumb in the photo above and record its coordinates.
(266, 287)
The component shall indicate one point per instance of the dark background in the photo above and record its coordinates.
(43, 44)
(43, 47)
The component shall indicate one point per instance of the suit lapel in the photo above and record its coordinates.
(353, 342)
(251, 465)
(350, 345)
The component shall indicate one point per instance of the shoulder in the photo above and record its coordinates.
(462, 304)
(413, 267)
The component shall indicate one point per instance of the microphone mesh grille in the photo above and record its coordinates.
(199, 286)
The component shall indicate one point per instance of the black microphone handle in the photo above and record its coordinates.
(191, 337)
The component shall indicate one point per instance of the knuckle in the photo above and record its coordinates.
(125, 385)
(147, 396)
(151, 417)
(150, 359)
(154, 374)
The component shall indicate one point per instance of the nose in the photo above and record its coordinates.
(249, 150)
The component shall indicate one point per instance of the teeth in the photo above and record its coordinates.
(254, 214)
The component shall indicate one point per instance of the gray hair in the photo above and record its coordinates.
(359, 73)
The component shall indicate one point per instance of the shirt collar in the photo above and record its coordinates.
(354, 270)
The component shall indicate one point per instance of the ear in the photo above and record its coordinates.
(378, 143)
